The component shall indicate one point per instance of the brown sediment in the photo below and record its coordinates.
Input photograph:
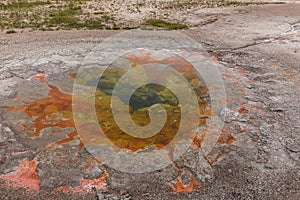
(125, 141)
(72, 74)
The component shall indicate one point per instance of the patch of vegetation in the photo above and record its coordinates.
(238, 3)
(93, 24)
(11, 31)
(175, 5)
(130, 27)
(99, 13)
(65, 18)
(3, 22)
(79, 14)
(23, 4)
(167, 25)
(106, 18)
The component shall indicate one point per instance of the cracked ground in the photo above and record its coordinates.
(257, 155)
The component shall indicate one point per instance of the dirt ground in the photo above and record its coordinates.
(256, 157)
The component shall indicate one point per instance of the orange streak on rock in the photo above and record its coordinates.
(239, 72)
(214, 59)
(98, 184)
(186, 188)
(180, 187)
(87, 166)
(197, 141)
(243, 129)
(25, 127)
(17, 99)
(46, 112)
(227, 76)
(180, 64)
(41, 77)
(214, 87)
(23, 176)
(243, 110)
(226, 139)
(242, 90)
(86, 185)
(172, 186)
(212, 159)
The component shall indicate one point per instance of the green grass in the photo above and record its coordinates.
(93, 24)
(99, 13)
(22, 4)
(68, 19)
(10, 31)
(237, 3)
(106, 18)
(65, 18)
(78, 14)
(167, 25)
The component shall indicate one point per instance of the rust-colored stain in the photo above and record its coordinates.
(236, 76)
(213, 158)
(214, 59)
(214, 87)
(180, 187)
(198, 139)
(226, 139)
(23, 176)
(243, 110)
(41, 77)
(228, 76)
(53, 111)
(239, 71)
(86, 185)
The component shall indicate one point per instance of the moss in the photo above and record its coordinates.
(10, 31)
(23, 4)
(167, 25)
(106, 18)
(93, 24)
(73, 14)
(66, 18)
